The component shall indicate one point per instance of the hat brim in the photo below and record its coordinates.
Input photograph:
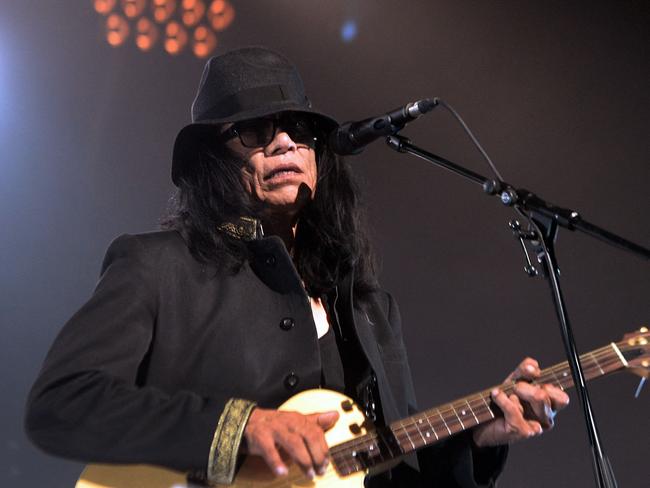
(188, 141)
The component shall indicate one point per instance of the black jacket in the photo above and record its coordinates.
(142, 372)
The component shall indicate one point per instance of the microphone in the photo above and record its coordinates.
(353, 137)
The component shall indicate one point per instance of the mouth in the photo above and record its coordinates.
(285, 169)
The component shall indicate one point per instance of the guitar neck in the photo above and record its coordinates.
(430, 426)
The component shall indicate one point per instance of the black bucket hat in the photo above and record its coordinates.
(242, 84)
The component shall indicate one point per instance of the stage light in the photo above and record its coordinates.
(117, 30)
(147, 34)
(133, 8)
(349, 30)
(104, 6)
(193, 11)
(221, 14)
(204, 41)
(163, 10)
(175, 37)
(181, 24)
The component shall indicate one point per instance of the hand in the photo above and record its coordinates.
(527, 412)
(300, 436)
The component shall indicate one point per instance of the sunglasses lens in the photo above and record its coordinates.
(299, 129)
(260, 132)
(256, 132)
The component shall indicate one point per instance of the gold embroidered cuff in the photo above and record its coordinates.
(226, 440)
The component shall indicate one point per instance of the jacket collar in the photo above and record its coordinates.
(244, 228)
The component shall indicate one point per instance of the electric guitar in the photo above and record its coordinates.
(356, 449)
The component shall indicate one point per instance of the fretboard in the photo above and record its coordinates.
(430, 426)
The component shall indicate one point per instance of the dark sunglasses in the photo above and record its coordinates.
(260, 132)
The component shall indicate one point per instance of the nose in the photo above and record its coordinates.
(280, 144)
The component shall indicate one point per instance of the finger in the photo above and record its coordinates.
(525, 427)
(537, 401)
(527, 369)
(559, 398)
(515, 425)
(535, 427)
(515, 400)
(318, 449)
(325, 420)
(294, 445)
(265, 447)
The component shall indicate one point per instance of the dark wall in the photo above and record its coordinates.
(557, 93)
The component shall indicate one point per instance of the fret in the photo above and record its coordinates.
(432, 429)
(470, 409)
(557, 381)
(407, 436)
(421, 441)
(358, 454)
(609, 361)
(462, 426)
(427, 435)
(343, 464)
(565, 376)
(487, 405)
(377, 455)
(443, 420)
(417, 423)
(463, 413)
(374, 450)
(389, 440)
(597, 363)
(478, 409)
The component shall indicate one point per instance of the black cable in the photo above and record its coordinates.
(467, 130)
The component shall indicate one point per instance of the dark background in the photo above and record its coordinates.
(556, 91)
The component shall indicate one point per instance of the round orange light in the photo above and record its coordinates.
(133, 8)
(193, 11)
(175, 37)
(104, 6)
(117, 30)
(221, 14)
(147, 34)
(163, 10)
(218, 6)
(204, 41)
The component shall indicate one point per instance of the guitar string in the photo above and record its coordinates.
(607, 359)
(549, 372)
(342, 449)
(404, 434)
(605, 354)
(451, 411)
(332, 478)
(364, 441)
(602, 359)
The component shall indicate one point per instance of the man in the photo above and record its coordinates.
(262, 286)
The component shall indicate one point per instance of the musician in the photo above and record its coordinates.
(261, 285)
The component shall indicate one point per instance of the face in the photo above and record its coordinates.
(280, 175)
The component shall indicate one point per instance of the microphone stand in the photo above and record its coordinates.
(545, 219)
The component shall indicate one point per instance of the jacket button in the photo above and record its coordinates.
(287, 323)
(291, 381)
(269, 260)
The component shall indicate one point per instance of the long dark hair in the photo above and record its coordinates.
(331, 236)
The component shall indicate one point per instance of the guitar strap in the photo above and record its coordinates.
(359, 378)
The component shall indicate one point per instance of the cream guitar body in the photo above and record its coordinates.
(254, 472)
(356, 450)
